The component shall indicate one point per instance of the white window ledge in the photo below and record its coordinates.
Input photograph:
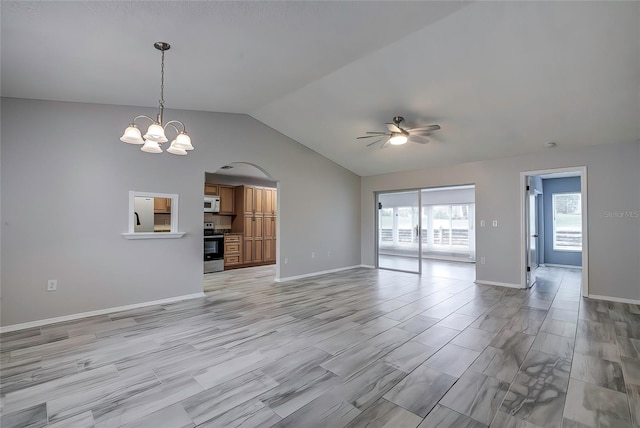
(153, 235)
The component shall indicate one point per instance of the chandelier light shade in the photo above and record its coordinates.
(156, 133)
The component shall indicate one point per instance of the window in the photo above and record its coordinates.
(567, 222)
(152, 215)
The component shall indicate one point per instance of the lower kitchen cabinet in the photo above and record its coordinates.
(253, 251)
(269, 249)
(258, 251)
(247, 256)
(232, 250)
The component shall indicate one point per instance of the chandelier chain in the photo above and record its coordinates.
(162, 83)
(156, 134)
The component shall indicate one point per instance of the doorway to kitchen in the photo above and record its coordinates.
(418, 225)
(240, 220)
(554, 222)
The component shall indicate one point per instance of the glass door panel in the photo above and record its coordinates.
(399, 227)
(447, 229)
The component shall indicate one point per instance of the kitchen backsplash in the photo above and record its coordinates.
(223, 221)
(161, 219)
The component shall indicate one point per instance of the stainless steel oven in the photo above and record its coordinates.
(213, 250)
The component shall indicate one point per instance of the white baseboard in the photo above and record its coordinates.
(368, 266)
(306, 275)
(72, 317)
(614, 299)
(499, 284)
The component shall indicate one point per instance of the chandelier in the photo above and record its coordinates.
(155, 135)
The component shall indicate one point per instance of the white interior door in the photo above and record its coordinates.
(531, 225)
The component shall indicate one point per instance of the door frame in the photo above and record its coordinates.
(377, 228)
(531, 196)
(582, 172)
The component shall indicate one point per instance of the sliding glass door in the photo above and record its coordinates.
(448, 230)
(399, 228)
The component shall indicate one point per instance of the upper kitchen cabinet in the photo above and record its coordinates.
(259, 200)
(270, 201)
(162, 205)
(248, 195)
(255, 200)
(210, 189)
(227, 199)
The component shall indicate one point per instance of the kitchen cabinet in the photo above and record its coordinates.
(269, 243)
(162, 205)
(258, 252)
(269, 249)
(210, 189)
(255, 219)
(253, 252)
(227, 197)
(253, 238)
(247, 247)
(258, 227)
(253, 199)
(269, 226)
(232, 250)
(248, 195)
(258, 207)
(274, 196)
(270, 201)
(248, 227)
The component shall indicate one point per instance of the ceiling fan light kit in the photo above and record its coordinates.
(398, 139)
(398, 136)
(155, 134)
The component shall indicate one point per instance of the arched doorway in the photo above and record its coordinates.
(241, 227)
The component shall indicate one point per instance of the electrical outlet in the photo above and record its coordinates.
(328, 253)
(313, 255)
(482, 260)
(52, 285)
(495, 223)
(481, 223)
(286, 260)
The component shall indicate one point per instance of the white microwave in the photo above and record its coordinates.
(212, 204)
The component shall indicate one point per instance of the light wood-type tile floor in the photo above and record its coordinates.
(356, 348)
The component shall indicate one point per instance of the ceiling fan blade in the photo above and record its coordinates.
(371, 144)
(393, 127)
(379, 133)
(423, 132)
(370, 136)
(385, 143)
(418, 139)
(425, 128)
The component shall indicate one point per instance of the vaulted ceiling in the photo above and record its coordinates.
(501, 78)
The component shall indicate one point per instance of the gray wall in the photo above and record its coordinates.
(613, 173)
(65, 182)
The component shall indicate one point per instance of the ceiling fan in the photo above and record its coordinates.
(398, 136)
